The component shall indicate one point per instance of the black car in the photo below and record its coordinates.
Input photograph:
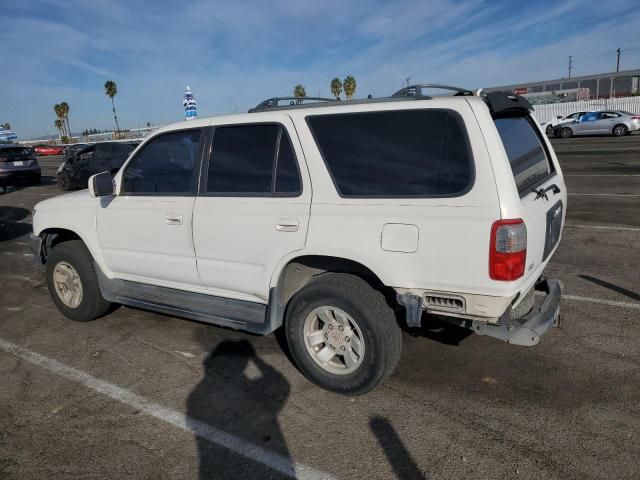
(18, 162)
(80, 164)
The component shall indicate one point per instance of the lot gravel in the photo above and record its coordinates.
(121, 397)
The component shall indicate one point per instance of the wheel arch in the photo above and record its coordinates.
(297, 272)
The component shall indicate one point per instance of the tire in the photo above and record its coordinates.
(63, 182)
(525, 305)
(620, 130)
(73, 258)
(37, 180)
(549, 130)
(566, 132)
(368, 322)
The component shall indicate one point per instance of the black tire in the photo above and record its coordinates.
(525, 305)
(566, 132)
(92, 304)
(367, 307)
(37, 180)
(63, 182)
(549, 130)
(620, 130)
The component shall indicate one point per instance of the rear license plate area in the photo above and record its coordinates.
(554, 228)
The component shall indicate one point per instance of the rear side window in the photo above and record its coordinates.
(15, 153)
(165, 165)
(406, 153)
(527, 156)
(252, 160)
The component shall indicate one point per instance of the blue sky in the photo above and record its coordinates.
(235, 54)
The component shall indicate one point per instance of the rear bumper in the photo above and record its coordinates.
(527, 330)
(12, 175)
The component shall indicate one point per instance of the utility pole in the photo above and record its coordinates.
(570, 64)
(407, 80)
(618, 62)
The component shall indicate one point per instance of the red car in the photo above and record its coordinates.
(49, 150)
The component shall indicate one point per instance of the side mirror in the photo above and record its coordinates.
(101, 184)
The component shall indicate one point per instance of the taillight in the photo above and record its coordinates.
(636, 118)
(508, 251)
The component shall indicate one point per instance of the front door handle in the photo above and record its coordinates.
(173, 219)
(287, 225)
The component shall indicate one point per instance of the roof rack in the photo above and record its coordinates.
(416, 90)
(274, 102)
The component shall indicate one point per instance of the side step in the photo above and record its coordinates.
(236, 314)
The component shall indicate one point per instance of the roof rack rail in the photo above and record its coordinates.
(274, 102)
(416, 90)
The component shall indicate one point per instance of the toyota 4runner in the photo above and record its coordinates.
(337, 221)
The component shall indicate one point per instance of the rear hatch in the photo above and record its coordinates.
(16, 158)
(541, 201)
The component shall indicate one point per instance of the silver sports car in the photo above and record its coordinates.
(613, 122)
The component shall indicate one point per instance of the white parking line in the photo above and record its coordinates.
(602, 227)
(600, 175)
(601, 301)
(229, 441)
(604, 194)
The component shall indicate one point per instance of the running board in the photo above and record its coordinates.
(226, 312)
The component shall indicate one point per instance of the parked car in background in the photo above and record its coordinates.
(549, 126)
(49, 150)
(17, 163)
(79, 164)
(612, 122)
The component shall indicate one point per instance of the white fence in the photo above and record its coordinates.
(546, 112)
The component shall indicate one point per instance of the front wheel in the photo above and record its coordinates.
(549, 130)
(566, 132)
(63, 182)
(342, 334)
(620, 130)
(73, 283)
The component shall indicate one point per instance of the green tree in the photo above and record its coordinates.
(111, 90)
(6, 125)
(60, 126)
(336, 88)
(349, 85)
(299, 92)
(57, 108)
(64, 106)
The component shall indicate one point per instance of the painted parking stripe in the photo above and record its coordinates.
(229, 441)
(601, 301)
(600, 175)
(603, 227)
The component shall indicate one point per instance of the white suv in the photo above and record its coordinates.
(336, 220)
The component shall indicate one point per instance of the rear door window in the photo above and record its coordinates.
(527, 156)
(402, 153)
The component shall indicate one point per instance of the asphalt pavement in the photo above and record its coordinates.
(142, 395)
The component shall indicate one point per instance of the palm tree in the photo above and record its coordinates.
(111, 90)
(336, 87)
(64, 106)
(59, 125)
(299, 92)
(349, 85)
(59, 114)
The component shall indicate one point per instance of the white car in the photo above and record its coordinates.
(327, 220)
(550, 126)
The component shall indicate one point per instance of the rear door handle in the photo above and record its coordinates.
(173, 219)
(287, 225)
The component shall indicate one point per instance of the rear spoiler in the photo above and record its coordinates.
(502, 102)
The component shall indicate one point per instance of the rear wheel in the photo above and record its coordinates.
(342, 334)
(73, 283)
(566, 132)
(620, 130)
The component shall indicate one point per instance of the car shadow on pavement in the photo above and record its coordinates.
(440, 331)
(11, 226)
(241, 395)
(611, 286)
(397, 455)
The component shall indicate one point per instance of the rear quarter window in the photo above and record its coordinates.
(401, 153)
(527, 155)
